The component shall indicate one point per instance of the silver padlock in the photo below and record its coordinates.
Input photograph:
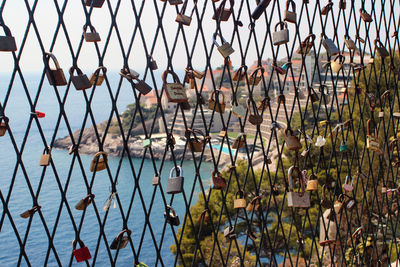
(80, 81)
(92, 36)
(7, 42)
(281, 36)
(225, 49)
(175, 184)
(297, 199)
(290, 16)
(330, 46)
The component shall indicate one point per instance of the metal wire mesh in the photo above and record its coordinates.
(264, 91)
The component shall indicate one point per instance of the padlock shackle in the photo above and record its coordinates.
(78, 70)
(183, 10)
(309, 39)
(291, 3)
(75, 241)
(174, 75)
(6, 29)
(341, 58)
(324, 195)
(47, 150)
(213, 97)
(97, 71)
(377, 42)
(222, 5)
(251, 103)
(168, 209)
(121, 234)
(239, 193)
(215, 39)
(98, 154)
(283, 25)
(46, 59)
(92, 28)
(369, 128)
(290, 179)
(255, 72)
(5, 119)
(179, 168)
(242, 71)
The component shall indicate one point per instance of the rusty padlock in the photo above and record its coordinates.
(254, 78)
(306, 45)
(152, 63)
(240, 74)
(313, 95)
(121, 240)
(264, 104)
(7, 42)
(330, 46)
(254, 204)
(350, 44)
(342, 4)
(92, 36)
(84, 202)
(225, 49)
(101, 162)
(297, 199)
(94, 3)
(156, 180)
(182, 18)
(281, 36)
(326, 9)
(326, 201)
(290, 16)
(175, 91)
(28, 213)
(240, 141)
(380, 49)
(215, 104)
(312, 183)
(365, 16)
(175, 2)
(46, 157)
(55, 76)
(195, 143)
(254, 117)
(292, 141)
(218, 181)
(239, 202)
(80, 81)
(99, 76)
(222, 13)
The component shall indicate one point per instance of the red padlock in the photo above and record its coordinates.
(81, 254)
(40, 114)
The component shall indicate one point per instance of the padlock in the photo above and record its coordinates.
(175, 184)
(240, 141)
(55, 76)
(143, 87)
(152, 63)
(281, 36)
(373, 141)
(286, 66)
(28, 213)
(94, 3)
(330, 46)
(170, 216)
(239, 202)
(264, 104)
(279, 70)
(7, 42)
(229, 233)
(99, 76)
(175, 91)
(254, 204)
(240, 74)
(182, 18)
(92, 36)
(255, 79)
(348, 187)
(198, 74)
(156, 180)
(254, 117)
(175, 2)
(292, 141)
(343, 147)
(215, 104)
(46, 157)
(121, 240)
(313, 95)
(281, 98)
(80, 81)
(84, 202)
(3, 125)
(101, 162)
(306, 45)
(81, 254)
(351, 203)
(327, 228)
(290, 16)
(304, 153)
(312, 183)
(380, 49)
(222, 13)
(195, 143)
(297, 199)
(337, 63)
(326, 201)
(320, 141)
(326, 9)
(349, 43)
(339, 204)
(147, 143)
(222, 133)
(342, 4)
(262, 5)
(225, 49)
(365, 16)
(218, 181)
(129, 74)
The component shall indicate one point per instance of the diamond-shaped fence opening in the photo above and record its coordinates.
(199, 133)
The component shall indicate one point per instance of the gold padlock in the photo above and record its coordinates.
(373, 141)
(99, 76)
(239, 201)
(215, 104)
(312, 183)
(46, 157)
(101, 162)
(337, 63)
(254, 204)
(225, 49)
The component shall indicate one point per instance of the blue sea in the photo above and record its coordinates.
(18, 110)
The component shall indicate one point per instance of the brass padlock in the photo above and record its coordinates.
(222, 13)
(80, 81)
(225, 49)
(312, 183)
(152, 63)
(339, 204)
(101, 162)
(7, 42)
(156, 180)
(297, 199)
(264, 104)
(255, 79)
(121, 240)
(99, 76)
(175, 2)
(337, 63)
(350, 44)
(55, 76)
(240, 74)
(281, 36)
(240, 141)
(365, 16)
(254, 204)
(84, 202)
(94, 3)
(195, 143)
(330, 46)
(254, 117)
(175, 91)
(218, 181)
(46, 157)
(290, 16)
(326, 9)
(182, 18)
(175, 183)
(28, 213)
(215, 104)
(380, 49)
(292, 141)
(3, 125)
(239, 202)
(170, 216)
(306, 45)
(92, 36)
(373, 141)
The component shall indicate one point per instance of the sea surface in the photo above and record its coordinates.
(70, 178)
